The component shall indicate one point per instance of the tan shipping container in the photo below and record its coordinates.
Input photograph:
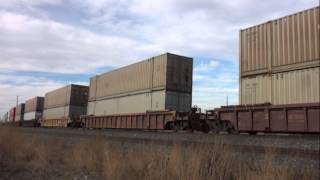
(167, 71)
(64, 112)
(300, 86)
(287, 43)
(20, 109)
(141, 102)
(34, 104)
(69, 95)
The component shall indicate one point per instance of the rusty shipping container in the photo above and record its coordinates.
(20, 112)
(299, 86)
(293, 118)
(158, 83)
(69, 101)
(288, 43)
(147, 121)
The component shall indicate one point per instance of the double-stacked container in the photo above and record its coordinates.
(280, 60)
(20, 112)
(33, 109)
(159, 83)
(5, 117)
(12, 114)
(66, 102)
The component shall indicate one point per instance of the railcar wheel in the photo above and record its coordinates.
(230, 128)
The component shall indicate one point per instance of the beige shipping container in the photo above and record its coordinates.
(20, 109)
(300, 86)
(141, 102)
(64, 112)
(167, 71)
(20, 112)
(69, 95)
(34, 104)
(287, 43)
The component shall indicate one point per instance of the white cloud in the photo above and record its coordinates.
(128, 31)
(222, 78)
(25, 87)
(33, 44)
(10, 3)
(209, 97)
(206, 66)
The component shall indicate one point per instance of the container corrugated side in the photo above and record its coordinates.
(167, 71)
(296, 86)
(178, 101)
(20, 109)
(34, 115)
(68, 95)
(79, 95)
(255, 89)
(295, 38)
(58, 97)
(134, 103)
(142, 102)
(34, 104)
(12, 114)
(300, 86)
(64, 112)
(179, 73)
(57, 112)
(254, 48)
(287, 43)
(131, 78)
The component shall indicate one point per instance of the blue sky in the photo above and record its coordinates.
(45, 44)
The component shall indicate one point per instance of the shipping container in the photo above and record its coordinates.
(288, 43)
(20, 112)
(300, 86)
(293, 118)
(158, 83)
(12, 114)
(34, 115)
(65, 112)
(34, 105)
(141, 102)
(6, 117)
(69, 101)
(167, 71)
(76, 95)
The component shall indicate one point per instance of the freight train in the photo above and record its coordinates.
(265, 118)
(276, 66)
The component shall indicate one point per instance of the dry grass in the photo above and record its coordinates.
(34, 157)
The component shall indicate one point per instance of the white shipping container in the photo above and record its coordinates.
(300, 86)
(19, 117)
(32, 115)
(141, 102)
